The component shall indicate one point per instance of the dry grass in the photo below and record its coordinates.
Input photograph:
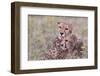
(42, 30)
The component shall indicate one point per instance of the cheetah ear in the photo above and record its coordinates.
(70, 27)
(58, 22)
(70, 31)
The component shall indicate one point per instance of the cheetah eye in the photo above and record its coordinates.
(66, 28)
(59, 26)
(61, 44)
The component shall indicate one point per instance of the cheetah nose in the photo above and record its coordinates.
(66, 40)
(61, 33)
